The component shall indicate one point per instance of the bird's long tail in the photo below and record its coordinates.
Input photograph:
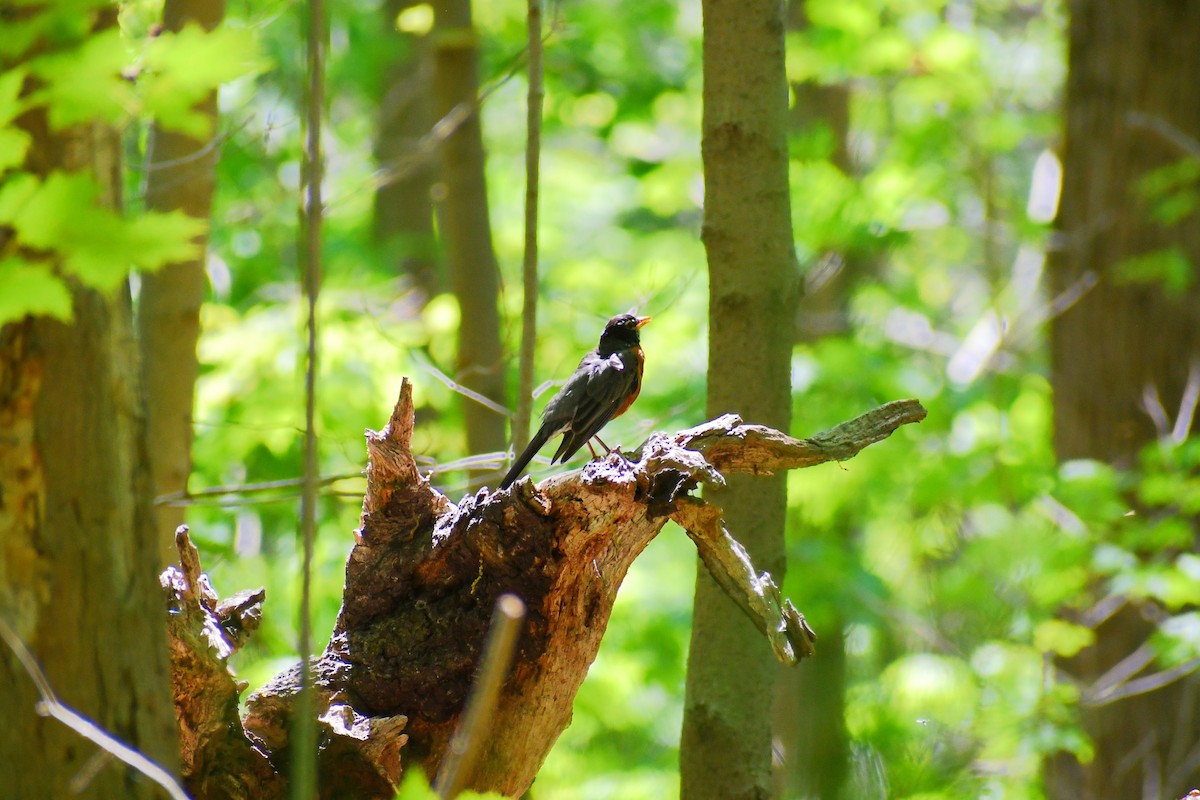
(526, 456)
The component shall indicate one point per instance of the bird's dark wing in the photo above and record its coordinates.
(588, 401)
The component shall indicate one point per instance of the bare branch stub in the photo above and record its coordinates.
(218, 760)
(731, 445)
(425, 573)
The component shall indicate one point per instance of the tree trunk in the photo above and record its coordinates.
(1131, 89)
(726, 745)
(810, 738)
(180, 176)
(78, 555)
(403, 221)
(467, 232)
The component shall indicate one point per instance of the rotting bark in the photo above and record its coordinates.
(424, 575)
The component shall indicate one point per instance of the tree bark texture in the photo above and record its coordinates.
(726, 744)
(467, 234)
(811, 742)
(421, 583)
(180, 176)
(78, 556)
(403, 221)
(1131, 92)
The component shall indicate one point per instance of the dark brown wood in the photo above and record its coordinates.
(1125, 347)
(466, 228)
(181, 175)
(402, 226)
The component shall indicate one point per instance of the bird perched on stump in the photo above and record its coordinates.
(601, 388)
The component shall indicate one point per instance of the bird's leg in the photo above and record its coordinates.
(592, 450)
(607, 449)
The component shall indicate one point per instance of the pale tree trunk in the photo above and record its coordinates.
(726, 744)
(403, 221)
(1133, 105)
(78, 557)
(180, 176)
(466, 230)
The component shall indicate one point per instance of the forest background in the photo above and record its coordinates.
(992, 588)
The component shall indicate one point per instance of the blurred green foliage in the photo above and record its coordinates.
(945, 552)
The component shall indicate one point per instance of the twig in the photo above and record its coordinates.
(426, 148)
(249, 488)
(51, 706)
(520, 432)
(1172, 134)
(304, 734)
(455, 386)
(1147, 684)
(757, 594)
(1187, 404)
(468, 740)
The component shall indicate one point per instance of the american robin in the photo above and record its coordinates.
(602, 387)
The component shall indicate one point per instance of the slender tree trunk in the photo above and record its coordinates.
(726, 747)
(180, 176)
(78, 556)
(403, 223)
(467, 232)
(1131, 90)
(811, 742)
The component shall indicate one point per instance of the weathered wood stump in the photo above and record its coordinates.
(424, 575)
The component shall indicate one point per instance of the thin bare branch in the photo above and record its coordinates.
(1188, 144)
(529, 264)
(1147, 684)
(1187, 404)
(304, 737)
(51, 706)
(467, 742)
(728, 562)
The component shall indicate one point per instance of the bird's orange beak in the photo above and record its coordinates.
(642, 321)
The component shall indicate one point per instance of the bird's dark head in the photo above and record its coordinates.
(621, 333)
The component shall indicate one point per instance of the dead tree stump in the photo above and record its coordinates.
(424, 575)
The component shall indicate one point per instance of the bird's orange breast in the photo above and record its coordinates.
(640, 358)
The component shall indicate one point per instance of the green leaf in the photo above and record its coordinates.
(415, 786)
(1062, 638)
(84, 83)
(15, 193)
(10, 94)
(13, 145)
(14, 142)
(1169, 266)
(95, 243)
(184, 67)
(27, 288)
(64, 22)
(157, 239)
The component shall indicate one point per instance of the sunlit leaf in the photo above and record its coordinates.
(95, 243)
(156, 239)
(85, 83)
(1168, 267)
(27, 288)
(1062, 638)
(182, 68)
